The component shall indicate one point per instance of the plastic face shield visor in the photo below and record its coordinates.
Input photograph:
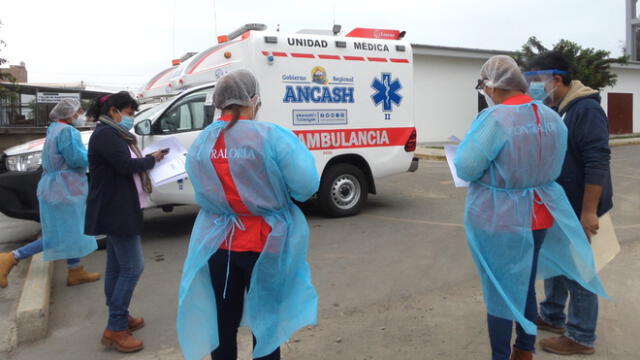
(542, 75)
(480, 86)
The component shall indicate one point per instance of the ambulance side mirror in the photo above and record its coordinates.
(143, 127)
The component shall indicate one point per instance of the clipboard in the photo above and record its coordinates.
(604, 244)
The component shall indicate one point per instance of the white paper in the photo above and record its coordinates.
(172, 167)
(604, 244)
(450, 153)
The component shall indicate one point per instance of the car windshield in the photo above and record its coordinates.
(150, 113)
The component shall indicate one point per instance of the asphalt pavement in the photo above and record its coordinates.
(395, 282)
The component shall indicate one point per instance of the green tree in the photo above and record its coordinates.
(591, 66)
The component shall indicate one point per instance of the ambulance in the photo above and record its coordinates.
(347, 96)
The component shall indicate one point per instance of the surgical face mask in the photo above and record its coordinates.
(126, 122)
(256, 105)
(79, 121)
(489, 100)
(538, 91)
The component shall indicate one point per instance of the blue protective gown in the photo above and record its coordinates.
(506, 156)
(270, 166)
(62, 194)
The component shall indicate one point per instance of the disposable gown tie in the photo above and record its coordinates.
(230, 222)
(508, 157)
(62, 194)
(269, 166)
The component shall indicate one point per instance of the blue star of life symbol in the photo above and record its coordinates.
(386, 92)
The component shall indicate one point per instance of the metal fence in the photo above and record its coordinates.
(29, 106)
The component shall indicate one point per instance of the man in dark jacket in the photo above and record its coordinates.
(586, 179)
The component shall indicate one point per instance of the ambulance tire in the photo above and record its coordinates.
(343, 190)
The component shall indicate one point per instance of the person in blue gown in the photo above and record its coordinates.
(519, 222)
(62, 194)
(246, 175)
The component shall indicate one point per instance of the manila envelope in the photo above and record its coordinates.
(605, 244)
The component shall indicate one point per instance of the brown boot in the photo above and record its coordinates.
(78, 276)
(518, 354)
(543, 325)
(123, 341)
(135, 323)
(7, 262)
(562, 345)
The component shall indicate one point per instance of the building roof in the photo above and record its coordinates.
(469, 53)
(33, 88)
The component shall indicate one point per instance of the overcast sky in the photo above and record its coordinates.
(122, 43)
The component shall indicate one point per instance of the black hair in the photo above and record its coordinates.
(552, 60)
(120, 100)
(235, 115)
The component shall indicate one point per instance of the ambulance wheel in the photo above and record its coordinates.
(343, 190)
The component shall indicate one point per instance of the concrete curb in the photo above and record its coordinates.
(434, 157)
(430, 153)
(622, 142)
(32, 316)
(9, 332)
(427, 153)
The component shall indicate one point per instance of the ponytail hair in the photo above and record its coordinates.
(235, 115)
(120, 100)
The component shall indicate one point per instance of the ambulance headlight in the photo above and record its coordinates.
(24, 162)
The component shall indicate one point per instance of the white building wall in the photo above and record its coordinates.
(445, 99)
(628, 82)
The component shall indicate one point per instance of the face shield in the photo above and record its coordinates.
(482, 83)
(542, 84)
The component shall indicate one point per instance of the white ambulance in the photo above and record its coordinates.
(349, 99)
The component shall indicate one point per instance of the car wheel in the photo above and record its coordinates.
(343, 190)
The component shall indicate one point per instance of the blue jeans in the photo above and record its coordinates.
(124, 267)
(583, 309)
(35, 247)
(500, 329)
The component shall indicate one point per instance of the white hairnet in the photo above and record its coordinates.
(236, 88)
(502, 72)
(65, 109)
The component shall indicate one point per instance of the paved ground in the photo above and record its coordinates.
(395, 282)
(13, 233)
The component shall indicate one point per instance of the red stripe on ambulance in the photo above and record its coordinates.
(302, 55)
(329, 57)
(354, 138)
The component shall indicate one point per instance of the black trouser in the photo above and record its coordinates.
(230, 308)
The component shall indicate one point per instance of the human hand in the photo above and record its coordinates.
(158, 155)
(590, 224)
